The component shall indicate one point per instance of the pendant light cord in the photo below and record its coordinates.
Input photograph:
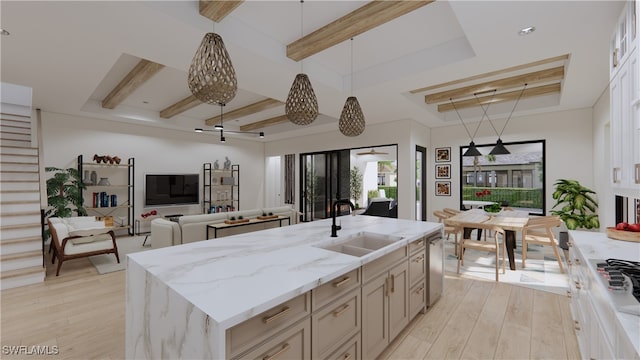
(514, 107)
(301, 32)
(351, 77)
(463, 124)
(484, 110)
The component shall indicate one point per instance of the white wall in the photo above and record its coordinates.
(155, 151)
(569, 149)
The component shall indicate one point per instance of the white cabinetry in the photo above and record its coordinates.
(625, 102)
(599, 335)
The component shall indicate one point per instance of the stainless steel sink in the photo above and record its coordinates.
(360, 244)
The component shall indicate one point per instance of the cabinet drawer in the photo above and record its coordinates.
(293, 343)
(246, 334)
(417, 245)
(376, 267)
(334, 289)
(350, 350)
(334, 323)
(417, 267)
(417, 299)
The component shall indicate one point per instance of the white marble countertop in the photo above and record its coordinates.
(234, 278)
(597, 246)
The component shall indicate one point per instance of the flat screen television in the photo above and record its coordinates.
(171, 189)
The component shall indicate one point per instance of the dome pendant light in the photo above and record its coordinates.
(212, 78)
(301, 106)
(351, 119)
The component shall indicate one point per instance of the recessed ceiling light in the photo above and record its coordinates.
(4, 32)
(526, 31)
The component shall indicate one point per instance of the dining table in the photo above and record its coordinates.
(511, 221)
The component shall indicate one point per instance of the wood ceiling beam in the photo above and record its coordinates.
(365, 18)
(142, 72)
(264, 123)
(180, 107)
(217, 10)
(537, 77)
(498, 98)
(245, 111)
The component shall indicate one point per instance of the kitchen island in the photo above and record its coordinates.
(184, 301)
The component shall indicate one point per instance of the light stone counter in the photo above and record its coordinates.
(597, 246)
(181, 299)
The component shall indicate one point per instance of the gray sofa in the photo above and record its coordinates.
(190, 228)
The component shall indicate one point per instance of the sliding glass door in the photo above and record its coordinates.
(326, 178)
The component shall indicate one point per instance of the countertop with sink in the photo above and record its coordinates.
(228, 280)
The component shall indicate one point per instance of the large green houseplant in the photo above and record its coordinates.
(355, 184)
(64, 193)
(577, 207)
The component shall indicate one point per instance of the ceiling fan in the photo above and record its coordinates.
(372, 152)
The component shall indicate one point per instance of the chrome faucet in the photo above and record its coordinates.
(334, 227)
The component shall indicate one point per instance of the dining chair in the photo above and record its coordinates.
(496, 246)
(448, 230)
(538, 231)
(451, 211)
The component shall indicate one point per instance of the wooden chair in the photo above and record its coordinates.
(538, 231)
(496, 246)
(69, 246)
(448, 230)
(451, 211)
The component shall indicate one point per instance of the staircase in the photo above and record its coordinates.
(21, 256)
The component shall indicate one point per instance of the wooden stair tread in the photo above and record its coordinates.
(22, 272)
(19, 191)
(22, 255)
(20, 213)
(19, 202)
(21, 240)
(19, 181)
(17, 126)
(17, 172)
(20, 226)
(17, 147)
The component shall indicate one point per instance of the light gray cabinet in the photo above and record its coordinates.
(385, 302)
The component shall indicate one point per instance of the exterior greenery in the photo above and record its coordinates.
(64, 193)
(578, 209)
(390, 192)
(514, 197)
(355, 184)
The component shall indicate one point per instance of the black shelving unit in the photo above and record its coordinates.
(124, 191)
(220, 188)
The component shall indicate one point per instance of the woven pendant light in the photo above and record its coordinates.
(351, 119)
(301, 106)
(212, 78)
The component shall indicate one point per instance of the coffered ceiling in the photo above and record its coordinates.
(128, 61)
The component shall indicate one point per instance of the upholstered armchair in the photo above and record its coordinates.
(78, 237)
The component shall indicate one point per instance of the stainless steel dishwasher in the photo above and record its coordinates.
(435, 266)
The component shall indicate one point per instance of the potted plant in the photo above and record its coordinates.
(577, 207)
(64, 193)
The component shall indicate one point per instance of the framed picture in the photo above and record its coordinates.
(443, 171)
(443, 154)
(443, 188)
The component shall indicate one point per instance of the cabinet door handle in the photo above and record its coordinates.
(344, 308)
(268, 319)
(419, 290)
(341, 282)
(576, 325)
(637, 168)
(347, 356)
(569, 262)
(419, 259)
(616, 171)
(569, 293)
(578, 262)
(386, 286)
(284, 349)
(393, 283)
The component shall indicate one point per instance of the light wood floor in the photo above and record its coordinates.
(82, 313)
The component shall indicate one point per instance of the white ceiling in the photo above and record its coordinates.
(72, 53)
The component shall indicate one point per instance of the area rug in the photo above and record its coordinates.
(542, 271)
(107, 263)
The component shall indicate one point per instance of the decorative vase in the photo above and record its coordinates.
(87, 178)
(104, 182)
(94, 177)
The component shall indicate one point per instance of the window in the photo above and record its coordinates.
(516, 180)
